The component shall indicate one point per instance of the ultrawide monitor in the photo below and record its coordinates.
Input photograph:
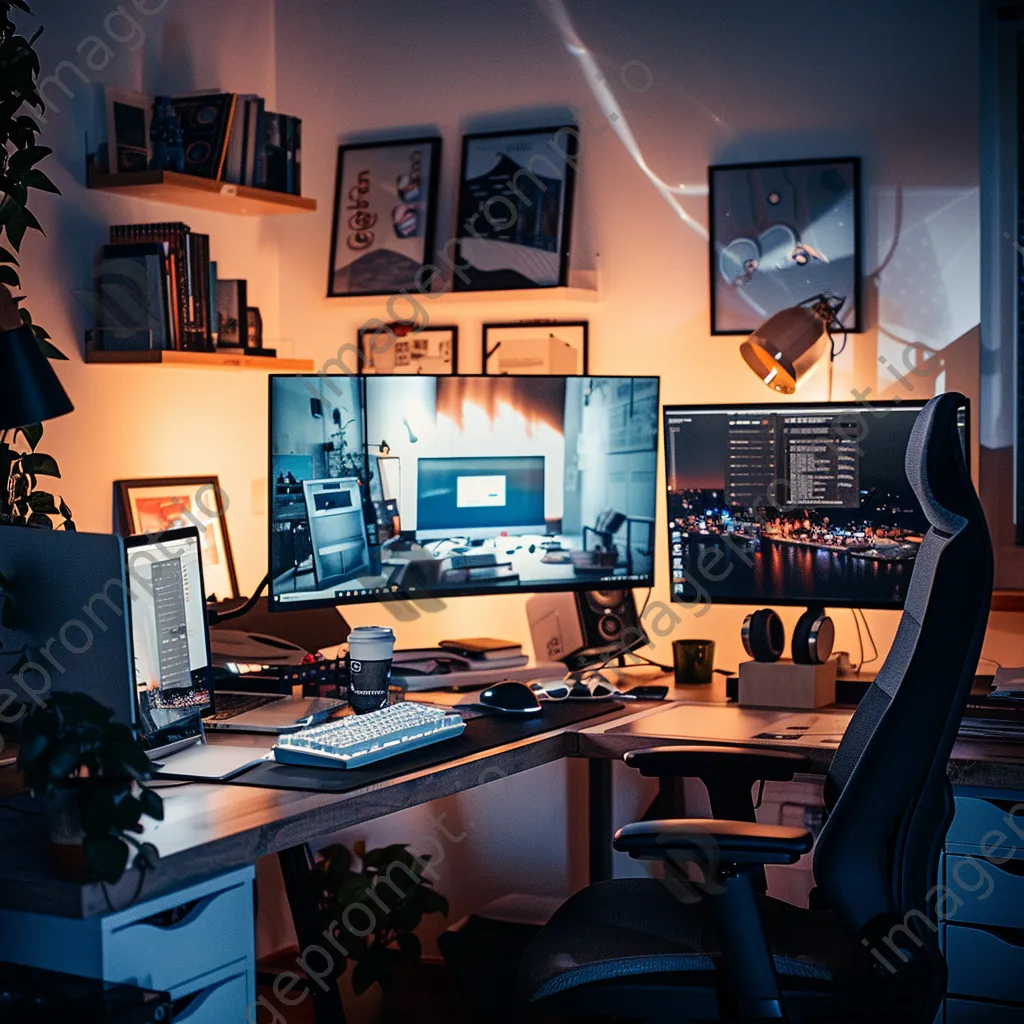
(397, 487)
(793, 504)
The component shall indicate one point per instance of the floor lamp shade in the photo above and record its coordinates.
(786, 347)
(30, 391)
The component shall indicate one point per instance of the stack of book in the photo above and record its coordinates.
(157, 288)
(234, 138)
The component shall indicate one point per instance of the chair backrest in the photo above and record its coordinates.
(887, 794)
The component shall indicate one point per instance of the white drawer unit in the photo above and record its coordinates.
(198, 944)
(983, 934)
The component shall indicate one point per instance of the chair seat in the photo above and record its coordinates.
(630, 927)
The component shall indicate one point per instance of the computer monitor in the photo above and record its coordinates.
(468, 485)
(169, 638)
(795, 504)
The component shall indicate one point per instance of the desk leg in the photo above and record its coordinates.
(296, 865)
(600, 820)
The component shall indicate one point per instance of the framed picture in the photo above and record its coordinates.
(129, 118)
(782, 233)
(153, 506)
(385, 209)
(406, 348)
(515, 209)
(537, 347)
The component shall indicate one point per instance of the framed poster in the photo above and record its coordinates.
(129, 118)
(783, 233)
(385, 209)
(515, 209)
(406, 348)
(559, 347)
(153, 506)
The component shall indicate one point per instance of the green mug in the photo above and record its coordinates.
(694, 661)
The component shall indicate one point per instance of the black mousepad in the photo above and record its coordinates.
(481, 734)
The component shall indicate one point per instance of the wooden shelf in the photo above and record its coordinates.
(200, 193)
(1008, 601)
(207, 360)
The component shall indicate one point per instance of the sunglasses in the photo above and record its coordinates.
(513, 698)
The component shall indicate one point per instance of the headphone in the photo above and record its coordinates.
(764, 637)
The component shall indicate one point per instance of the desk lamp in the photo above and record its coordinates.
(788, 346)
(30, 392)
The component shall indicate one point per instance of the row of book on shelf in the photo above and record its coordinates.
(225, 136)
(157, 288)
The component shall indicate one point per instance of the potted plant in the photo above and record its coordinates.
(401, 897)
(21, 503)
(91, 771)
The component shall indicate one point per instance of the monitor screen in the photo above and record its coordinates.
(459, 485)
(170, 645)
(792, 504)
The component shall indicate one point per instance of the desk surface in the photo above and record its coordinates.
(210, 829)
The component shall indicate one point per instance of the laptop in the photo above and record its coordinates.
(173, 669)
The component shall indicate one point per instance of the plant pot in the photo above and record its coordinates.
(66, 835)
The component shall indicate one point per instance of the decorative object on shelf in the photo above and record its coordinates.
(232, 306)
(153, 506)
(515, 209)
(782, 233)
(408, 348)
(91, 771)
(206, 129)
(341, 873)
(29, 389)
(129, 126)
(254, 332)
(385, 210)
(559, 347)
(167, 138)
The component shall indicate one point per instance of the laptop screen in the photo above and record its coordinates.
(170, 641)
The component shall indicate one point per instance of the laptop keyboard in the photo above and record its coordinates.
(229, 705)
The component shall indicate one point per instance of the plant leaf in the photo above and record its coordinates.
(152, 804)
(33, 434)
(106, 857)
(9, 276)
(36, 179)
(147, 856)
(43, 465)
(40, 501)
(410, 947)
(40, 522)
(27, 157)
(6, 256)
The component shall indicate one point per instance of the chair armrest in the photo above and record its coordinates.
(711, 841)
(743, 764)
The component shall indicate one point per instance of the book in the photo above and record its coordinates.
(211, 284)
(257, 145)
(275, 156)
(235, 169)
(131, 298)
(254, 330)
(206, 127)
(174, 235)
(232, 314)
(297, 156)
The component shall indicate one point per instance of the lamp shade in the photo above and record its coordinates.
(29, 389)
(786, 347)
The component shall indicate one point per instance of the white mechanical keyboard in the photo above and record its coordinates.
(359, 740)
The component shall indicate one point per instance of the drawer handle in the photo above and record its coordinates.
(180, 916)
(187, 1007)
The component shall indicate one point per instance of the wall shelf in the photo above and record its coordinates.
(204, 360)
(200, 193)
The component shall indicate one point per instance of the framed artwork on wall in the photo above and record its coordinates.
(783, 233)
(385, 210)
(515, 208)
(155, 505)
(408, 348)
(559, 347)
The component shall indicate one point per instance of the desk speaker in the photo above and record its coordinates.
(584, 628)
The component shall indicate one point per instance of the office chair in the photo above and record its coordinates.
(716, 949)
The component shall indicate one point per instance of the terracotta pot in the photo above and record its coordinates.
(64, 828)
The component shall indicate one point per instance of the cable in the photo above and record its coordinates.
(214, 618)
(874, 647)
(860, 641)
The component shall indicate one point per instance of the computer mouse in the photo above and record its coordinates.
(510, 698)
